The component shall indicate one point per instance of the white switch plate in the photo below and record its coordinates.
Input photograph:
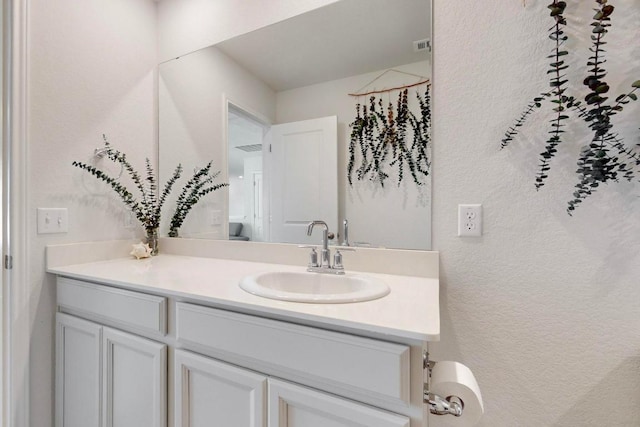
(53, 220)
(216, 217)
(469, 220)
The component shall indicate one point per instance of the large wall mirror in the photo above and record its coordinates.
(272, 109)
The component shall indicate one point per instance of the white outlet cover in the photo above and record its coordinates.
(470, 220)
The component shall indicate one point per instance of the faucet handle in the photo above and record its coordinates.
(313, 256)
(337, 258)
(337, 261)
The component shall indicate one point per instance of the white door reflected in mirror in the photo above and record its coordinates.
(296, 163)
(303, 171)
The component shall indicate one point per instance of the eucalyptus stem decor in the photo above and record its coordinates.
(197, 187)
(605, 158)
(380, 140)
(147, 205)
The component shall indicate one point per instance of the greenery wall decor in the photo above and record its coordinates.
(383, 139)
(605, 157)
(147, 206)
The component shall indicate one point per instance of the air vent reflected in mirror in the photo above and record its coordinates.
(250, 148)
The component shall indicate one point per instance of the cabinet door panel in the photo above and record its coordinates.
(295, 406)
(209, 393)
(135, 373)
(77, 372)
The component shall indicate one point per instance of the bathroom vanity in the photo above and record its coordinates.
(173, 340)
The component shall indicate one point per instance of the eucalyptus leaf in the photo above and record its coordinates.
(597, 163)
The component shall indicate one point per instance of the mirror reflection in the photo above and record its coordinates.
(273, 109)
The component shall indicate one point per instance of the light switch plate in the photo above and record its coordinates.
(216, 217)
(53, 220)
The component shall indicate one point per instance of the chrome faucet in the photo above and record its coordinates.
(325, 254)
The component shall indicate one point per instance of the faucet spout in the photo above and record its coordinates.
(313, 224)
(325, 231)
(324, 254)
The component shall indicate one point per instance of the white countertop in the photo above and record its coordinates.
(410, 311)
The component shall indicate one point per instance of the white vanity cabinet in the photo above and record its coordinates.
(209, 391)
(106, 377)
(355, 367)
(129, 359)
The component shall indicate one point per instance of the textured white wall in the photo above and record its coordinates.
(544, 308)
(91, 71)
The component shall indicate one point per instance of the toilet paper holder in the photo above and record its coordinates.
(438, 405)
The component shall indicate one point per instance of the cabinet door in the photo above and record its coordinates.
(78, 391)
(135, 381)
(295, 406)
(210, 393)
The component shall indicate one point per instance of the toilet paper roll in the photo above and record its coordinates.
(455, 379)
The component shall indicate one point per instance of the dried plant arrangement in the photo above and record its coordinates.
(605, 158)
(147, 204)
(380, 140)
(147, 207)
(197, 187)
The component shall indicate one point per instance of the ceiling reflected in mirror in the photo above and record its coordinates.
(344, 39)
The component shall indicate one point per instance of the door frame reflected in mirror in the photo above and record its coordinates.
(255, 120)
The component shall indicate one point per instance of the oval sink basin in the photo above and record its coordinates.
(314, 287)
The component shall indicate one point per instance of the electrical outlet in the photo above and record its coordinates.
(52, 220)
(470, 220)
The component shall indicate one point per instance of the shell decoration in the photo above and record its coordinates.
(140, 250)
